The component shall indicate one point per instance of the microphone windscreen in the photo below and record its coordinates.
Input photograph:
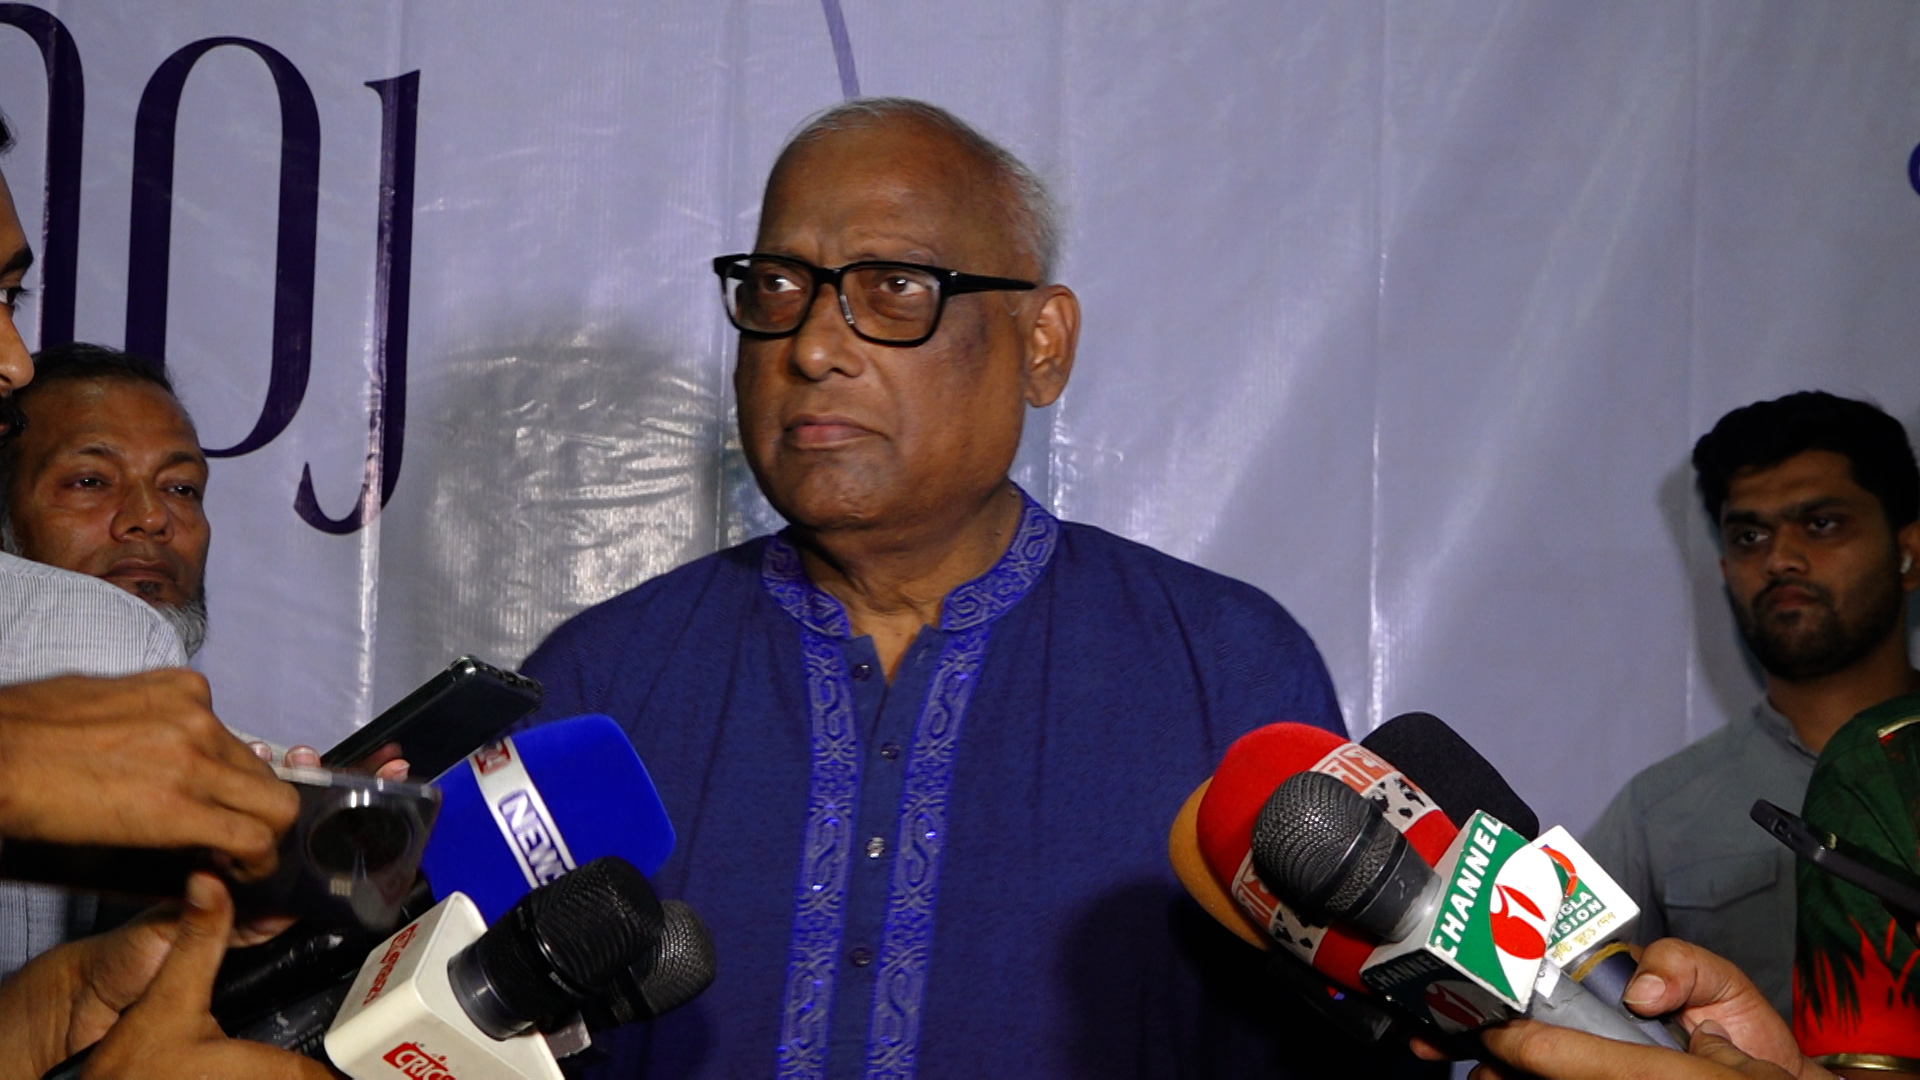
(1253, 766)
(527, 809)
(1307, 838)
(683, 965)
(1183, 851)
(1256, 764)
(1451, 771)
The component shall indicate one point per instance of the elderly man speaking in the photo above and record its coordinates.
(923, 745)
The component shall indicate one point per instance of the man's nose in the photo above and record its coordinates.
(143, 511)
(825, 344)
(1787, 554)
(16, 363)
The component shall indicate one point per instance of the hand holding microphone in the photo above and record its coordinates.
(1735, 1033)
(523, 814)
(516, 814)
(1463, 940)
(1708, 996)
(1398, 827)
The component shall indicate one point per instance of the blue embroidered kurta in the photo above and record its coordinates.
(962, 873)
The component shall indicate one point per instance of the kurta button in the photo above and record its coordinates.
(861, 956)
(889, 750)
(876, 847)
(863, 672)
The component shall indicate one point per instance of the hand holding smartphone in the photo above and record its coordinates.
(434, 728)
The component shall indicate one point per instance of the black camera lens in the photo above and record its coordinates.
(367, 839)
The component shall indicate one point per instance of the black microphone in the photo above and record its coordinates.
(679, 969)
(560, 946)
(1450, 771)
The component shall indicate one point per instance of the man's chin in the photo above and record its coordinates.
(188, 617)
(1807, 651)
(829, 501)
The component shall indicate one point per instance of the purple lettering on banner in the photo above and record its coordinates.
(842, 48)
(150, 227)
(66, 117)
(393, 275)
(150, 239)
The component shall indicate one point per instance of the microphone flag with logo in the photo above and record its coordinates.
(1491, 925)
(526, 809)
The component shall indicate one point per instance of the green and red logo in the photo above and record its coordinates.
(1494, 916)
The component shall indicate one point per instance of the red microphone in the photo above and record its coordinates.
(1256, 764)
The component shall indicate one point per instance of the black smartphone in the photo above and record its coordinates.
(1897, 888)
(455, 713)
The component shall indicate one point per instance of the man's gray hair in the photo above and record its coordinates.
(1034, 215)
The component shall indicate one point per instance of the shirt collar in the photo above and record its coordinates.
(977, 602)
(1779, 728)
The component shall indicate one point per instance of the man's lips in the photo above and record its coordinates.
(813, 432)
(140, 570)
(1775, 598)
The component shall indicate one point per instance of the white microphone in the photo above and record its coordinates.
(449, 997)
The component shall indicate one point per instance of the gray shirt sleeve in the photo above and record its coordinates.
(53, 622)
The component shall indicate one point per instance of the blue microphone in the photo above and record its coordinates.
(522, 811)
(514, 815)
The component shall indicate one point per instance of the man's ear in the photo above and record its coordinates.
(1908, 541)
(1050, 343)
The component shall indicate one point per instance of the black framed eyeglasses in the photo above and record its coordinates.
(887, 303)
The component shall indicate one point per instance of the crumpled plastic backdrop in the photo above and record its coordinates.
(1407, 312)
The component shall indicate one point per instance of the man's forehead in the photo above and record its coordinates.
(898, 179)
(1806, 478)
(111, 408)
(881, 143)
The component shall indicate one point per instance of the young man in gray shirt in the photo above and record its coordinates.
(1816, 500)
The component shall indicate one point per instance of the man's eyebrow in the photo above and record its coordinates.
(1788, 513)
(18, 264)
(92, 449)
(185, 457)
(1816, 504)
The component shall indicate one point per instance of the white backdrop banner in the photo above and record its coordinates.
(1406, 312)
